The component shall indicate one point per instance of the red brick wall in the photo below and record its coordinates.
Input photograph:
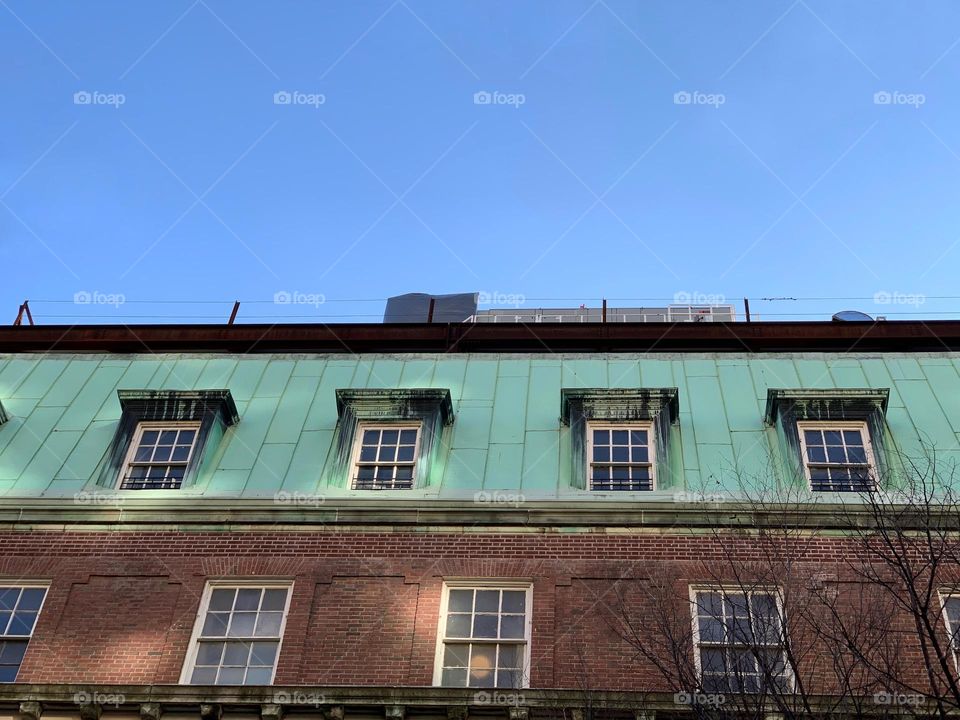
(364, 611)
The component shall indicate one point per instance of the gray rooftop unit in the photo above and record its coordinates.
(415, 308)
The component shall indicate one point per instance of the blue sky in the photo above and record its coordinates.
(632, 150)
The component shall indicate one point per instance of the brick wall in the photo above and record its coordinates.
(365, 606)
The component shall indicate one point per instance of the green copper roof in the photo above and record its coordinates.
(506, 433)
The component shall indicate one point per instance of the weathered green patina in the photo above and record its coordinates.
(506, 435)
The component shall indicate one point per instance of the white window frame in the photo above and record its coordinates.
(727, 590)
(950, 594)
(161, 425)
(265, 584)
(836, 425)
(355, 463)
(483, 584)
(7, 582)
(646, 425)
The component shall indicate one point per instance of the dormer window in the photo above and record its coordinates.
(159, 456)
(163, 436)
(837, 457)
(619, 436)
(386, 456)
(836, 435)
(388, 439)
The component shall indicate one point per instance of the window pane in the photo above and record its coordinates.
(456, 655)
(485, 626)
(514, 601)
(508, 656)
(408, 437)
(8, 598)
(242, 624)
(274, 599)
(204, 676)
(235, 653)
(454, 677)
(22, 623)
(248, 599)
(458, 625)
(231, 676)
(263, 653)
(620, 437)
(268, 624)
(511, 627)
(222, 599)
(209, 653)
(168, 437)
(12, 652)
(258, 676)
(509, 678)
(215, 625)
(601, 437)
(488, 600)
(460, 601)
(389, 437)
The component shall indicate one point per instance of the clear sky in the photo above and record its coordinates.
(632, 149)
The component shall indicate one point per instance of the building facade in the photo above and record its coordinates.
(451, 521)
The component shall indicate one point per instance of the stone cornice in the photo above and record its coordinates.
(419, 515)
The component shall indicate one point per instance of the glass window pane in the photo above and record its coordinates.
(511, 626)
(483, 657)
(180, 454)
(514, 601)
(268, 624)
(242, 624)
(31, 598)
(389, 437)
(215, 625)
(258, 676)
(601, 437)
(387, 454)
(509, 678)
(488, 601)
(203, 676)
(186, 437)
(263, 653)
(274, 599)
(247, 599)
(832, 437)
(460, 601)
(852, 437)
(456, 655)
(222, 599)
(231, 676)
(209, 653)
(408, 437)
(12, 651)
(620, 437)
(458, 625)
(601, 454)
(149, 437)
(8, 598)
(621, 454)
(168, 437)
(638, 437)
(485, 626)
(405, 453)
(508, 656)
(22, 623)
(371, 437)
(236, 653)
(812, 437)
(454, 677)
